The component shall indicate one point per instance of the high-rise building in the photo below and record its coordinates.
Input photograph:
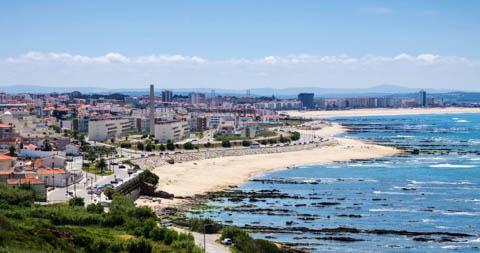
(152, 109)
(422, 98)
(196, 98)
(167, 96)
(307, 100)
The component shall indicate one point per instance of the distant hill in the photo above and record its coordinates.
(282, 93)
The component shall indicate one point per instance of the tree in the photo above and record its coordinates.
(295, 136)
(149, 147)
(226, 144)
(102, 164)
(170, 145)
(47, 146)
(162, 147)
(11, 150)
(140, 146)
(208, 145)
(95, 208)
(188, 146)
(246, 143)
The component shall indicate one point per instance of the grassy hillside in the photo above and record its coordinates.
(29, 227)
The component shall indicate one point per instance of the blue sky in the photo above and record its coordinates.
(229, 36)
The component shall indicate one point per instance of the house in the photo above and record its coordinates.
(54, 161)
(7, 162)
(72, 149)
(37, 185)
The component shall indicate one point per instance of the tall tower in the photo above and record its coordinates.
(152, 110)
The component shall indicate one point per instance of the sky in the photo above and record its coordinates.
(241, 44)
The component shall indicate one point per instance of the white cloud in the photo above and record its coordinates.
(116, 70)
(111, 57)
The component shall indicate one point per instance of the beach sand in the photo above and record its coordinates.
(379, 112)
(192, 178)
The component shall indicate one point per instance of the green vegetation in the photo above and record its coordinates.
(246, 143)
(170, 145)
(188, 146)
(243, 243)
(265, 133)
(27, 227)
(230, 137)
(100, 167)
(226, 144)
(295, 136)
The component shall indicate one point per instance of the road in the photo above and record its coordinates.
(211, 241)
(80, 189)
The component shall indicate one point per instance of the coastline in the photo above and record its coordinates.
(379, 112)
(190, 181)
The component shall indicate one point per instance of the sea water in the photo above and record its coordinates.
(389, 204)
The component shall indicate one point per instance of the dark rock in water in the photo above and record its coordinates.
(322, 204)
(340, 239)
(349, 216)
(289, 223)
(415, 151)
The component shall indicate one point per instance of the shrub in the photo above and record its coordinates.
(170, 145)
(109, 192)
(246, 143)
(162, 147)
(149, 147)
(150, 177)
(125, 145)
(295, 136)
(139, 246)
(76, 201)
(95, 208)
(188, 146)
(204, 225)
(226, 144)
(140, 146)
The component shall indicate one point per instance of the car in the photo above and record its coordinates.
(227, 241)
(113, 163)
(121, 166)
(151, 154)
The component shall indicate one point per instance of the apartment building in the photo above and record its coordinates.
(106, 129)
(173, 130)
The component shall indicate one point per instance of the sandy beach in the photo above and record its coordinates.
(191, 178)
(379, 112)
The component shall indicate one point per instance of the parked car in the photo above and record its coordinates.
(227, 241)
(121, 166)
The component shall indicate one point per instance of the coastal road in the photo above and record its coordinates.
(212, 246)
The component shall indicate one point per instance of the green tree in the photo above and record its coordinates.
(102, 164)
(11, 150)
(162, 147)
(226, 144)
(149, 147)
(188, 146)
(246, 143)
(170, 145)
(295, 136)
(140, 146)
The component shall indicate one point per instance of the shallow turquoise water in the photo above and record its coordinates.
(437, 192)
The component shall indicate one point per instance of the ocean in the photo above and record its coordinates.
(426, 202)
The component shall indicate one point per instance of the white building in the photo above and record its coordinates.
(105, 129)
(173, 130)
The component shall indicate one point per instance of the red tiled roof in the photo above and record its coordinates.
(7, 158)
(5, 172)
(24, 181)
(50, 171)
